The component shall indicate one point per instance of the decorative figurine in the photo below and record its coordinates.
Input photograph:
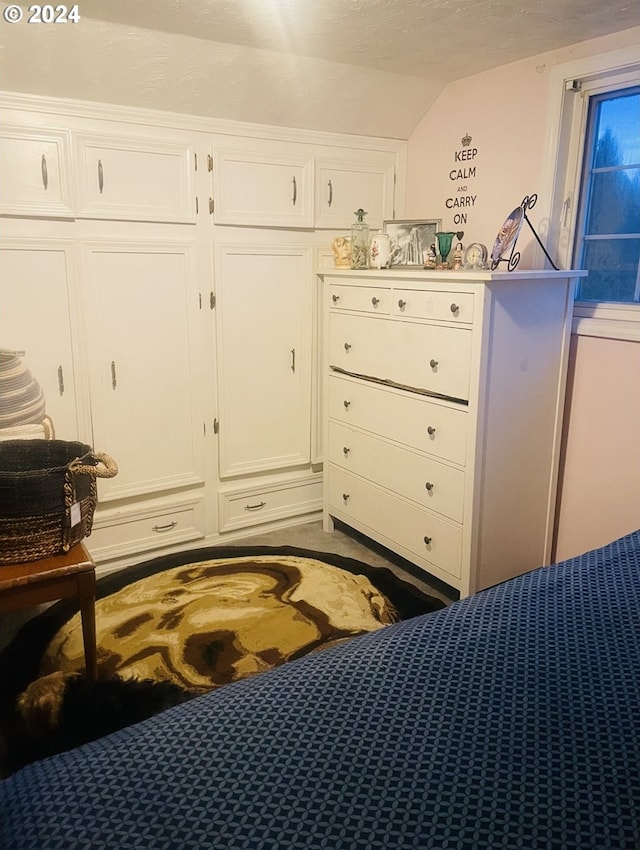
(341, 246)
(430, 258)
(457, 257)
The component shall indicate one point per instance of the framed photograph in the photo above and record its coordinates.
(410, 239)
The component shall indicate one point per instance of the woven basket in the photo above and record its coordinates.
(48, 494)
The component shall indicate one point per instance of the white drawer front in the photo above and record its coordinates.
(443, 306)
(414, 421)
(127, 534)
(424, 480)
(241, 508)
(419, 531)
(369, 299)
(432, 358)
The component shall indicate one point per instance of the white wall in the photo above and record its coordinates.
(505, 112)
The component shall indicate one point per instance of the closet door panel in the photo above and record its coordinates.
(143, 337)
(263, 340)
(35, 319)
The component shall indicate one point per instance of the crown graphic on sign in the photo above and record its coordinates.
(466, 140)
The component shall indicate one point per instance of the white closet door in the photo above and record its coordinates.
(35, 318)
(145, 373)
(264, 353)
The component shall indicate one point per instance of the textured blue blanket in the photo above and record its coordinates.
(509, 720)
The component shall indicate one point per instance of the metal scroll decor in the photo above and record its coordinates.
(504, 248)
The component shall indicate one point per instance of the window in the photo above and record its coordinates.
(607, 235)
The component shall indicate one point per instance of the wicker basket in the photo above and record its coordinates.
(48, 494)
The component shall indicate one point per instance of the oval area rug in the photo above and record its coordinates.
(211, 616)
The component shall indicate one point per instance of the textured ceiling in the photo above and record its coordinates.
(364, 67)
(442, 39)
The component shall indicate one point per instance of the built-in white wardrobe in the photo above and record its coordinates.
(160, 272)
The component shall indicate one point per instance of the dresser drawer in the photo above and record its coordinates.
(430, 358)
(253, 506)
(421, 479)
(421, 532)
(367, 299)
(443, 306)
(118, 534)
(415, 421)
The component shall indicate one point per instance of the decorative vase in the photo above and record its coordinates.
(380, 251)
(445, 241)
(360, 242)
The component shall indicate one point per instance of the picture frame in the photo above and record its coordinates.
(410, 238)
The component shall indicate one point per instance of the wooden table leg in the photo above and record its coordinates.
(87, 584)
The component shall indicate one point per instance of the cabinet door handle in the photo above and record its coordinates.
(100, 176)
(166, 527)
(402, 304)
(330, 184)
(433, 363)
(114, 379)
(45, 172)
(255, 507)
(293, 360)
(295, 191)
(431, 430)
(60, 380)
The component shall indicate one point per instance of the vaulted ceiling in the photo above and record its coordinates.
(360, 66)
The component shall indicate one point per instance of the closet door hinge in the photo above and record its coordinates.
(216, 426)
(211, 206)
(209, 162)
(212, 300)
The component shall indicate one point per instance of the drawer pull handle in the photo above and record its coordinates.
(375, 301)
(345, 450)
(454, 308)
(347, 346)
(427, 540)
(335, 298)
(330, 184)
(45, 173)
(402, 304)
(433, 363)
(431, 430)
(257, 507)
(347, 404)
(166, 527)
(429, 486)
(345, 497)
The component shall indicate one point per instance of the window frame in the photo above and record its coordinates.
(571, 85)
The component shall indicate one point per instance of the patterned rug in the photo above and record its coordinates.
(212, 616)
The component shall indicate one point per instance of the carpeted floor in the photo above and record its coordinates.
(212, 616)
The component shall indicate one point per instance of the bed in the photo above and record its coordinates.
(510, 719)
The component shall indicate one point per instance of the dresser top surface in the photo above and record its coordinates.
(427, 276)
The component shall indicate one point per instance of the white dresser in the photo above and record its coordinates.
(444, 394)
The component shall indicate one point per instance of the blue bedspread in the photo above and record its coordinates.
(509, 720)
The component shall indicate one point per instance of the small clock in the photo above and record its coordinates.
(475, 256)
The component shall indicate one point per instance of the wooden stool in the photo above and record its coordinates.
(58, 577)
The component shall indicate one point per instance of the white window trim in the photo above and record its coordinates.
(612, 321)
